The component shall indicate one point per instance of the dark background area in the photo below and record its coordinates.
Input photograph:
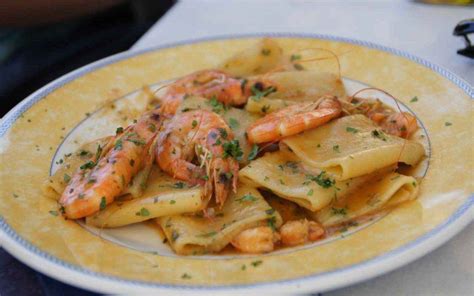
(46, 52)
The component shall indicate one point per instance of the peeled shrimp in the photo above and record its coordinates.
(97, 183)
(298, 232)
(205, 135)
(256, 240)
(294, 119)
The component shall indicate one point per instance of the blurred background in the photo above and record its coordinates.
(40, 40)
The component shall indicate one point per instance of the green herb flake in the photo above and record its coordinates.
(256, 263)
(118, 145)
(172, 202)
(119, 130)
(258, 94)
(243, 267)
(298, 67)
(295, 57)
(265, 108)
(143, 212)
(194, 123)
(217, 106)
(351, 130)
(310, 192)
(447, 123)
(336, 148)
(174, 235)
(67, 178)
(414, 184)
(233, 123)
(88, 165)
(186, 276)
(379, 134)
(232, 149)
(103, 203)
(54, 213)
(246, 197)
(179, 185)
(15, 195)
(321, 180)
(414, 99)
(253, 152)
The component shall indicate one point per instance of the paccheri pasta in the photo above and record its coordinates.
(255, 155)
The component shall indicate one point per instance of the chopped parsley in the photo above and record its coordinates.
(143, 212)
(172, 202)
(185, 276)
(258, 92)
(103, 203)
(118, 145)
(336, 148)
(271, 223)
(67, 178)
(233, 123)
(174, 235)
(310, 192)
(253, 152)
(88, 165)
(243, 267)
(295, 57)
(217, 106)
(256, 263)
(119, 130)
(321, 180)
(351, 130)
(54, 213)
(223, 133)
(246, 197)
(447, 123)
(414, 99)
(232, 149)
(379, 134)
(194, 123)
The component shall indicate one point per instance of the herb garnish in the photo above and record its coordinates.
(67, 178)
(414, 99)
(447, 123)
(253, 152)
(217, 106)
(322, 181)
(266, 52)
(379, 134)
(246, 197)
(209, 234)
(143, 212)
(103, 203)
(340, 211)
(256, 263)
(351, 130)
(232, 149)
(295, 57)
(258, 92)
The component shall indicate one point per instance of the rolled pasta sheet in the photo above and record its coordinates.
(237, 119)
(382, 193)
(260, 58)
(54, 186)
(353, 146)
(266, 105)
(191, 235)
(303, 85)
(285, 175)
(163, 196)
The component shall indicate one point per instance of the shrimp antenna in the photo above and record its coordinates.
(333, 55)
(398, 107)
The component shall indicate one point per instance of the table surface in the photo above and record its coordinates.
(425, 31)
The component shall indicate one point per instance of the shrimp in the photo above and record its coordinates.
(206, 83)
(400, 124)
(298, 232)
(256, 240)
(96, 183)
(203, 134)
(294, 119)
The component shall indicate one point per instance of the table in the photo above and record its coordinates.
(423, 30)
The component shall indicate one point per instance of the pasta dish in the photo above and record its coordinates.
(252, 156)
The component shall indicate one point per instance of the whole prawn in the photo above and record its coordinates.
(294, 119)
(96, 183)
(203, 135)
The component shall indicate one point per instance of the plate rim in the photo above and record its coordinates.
(84, 278)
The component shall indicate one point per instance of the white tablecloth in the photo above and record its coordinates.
(423, 30)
